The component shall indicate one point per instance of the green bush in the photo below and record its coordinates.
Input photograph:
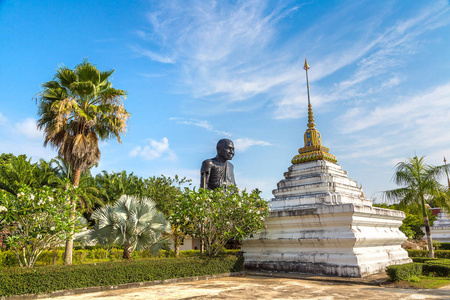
(425, 253)
(96, 254)
(7, 259)
(421, 259)
(439, 267)
(16, 281)
(404, 272)
(444, 246)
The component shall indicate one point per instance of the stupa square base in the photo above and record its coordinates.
(339, 240)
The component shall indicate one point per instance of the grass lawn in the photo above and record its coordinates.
(422, 282)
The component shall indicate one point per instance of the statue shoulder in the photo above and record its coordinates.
(207, 164)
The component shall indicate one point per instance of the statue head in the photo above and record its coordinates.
(225, 149)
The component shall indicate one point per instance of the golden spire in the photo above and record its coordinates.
(313, 149)
(306, 68)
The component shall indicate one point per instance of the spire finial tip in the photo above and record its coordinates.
(306, 66)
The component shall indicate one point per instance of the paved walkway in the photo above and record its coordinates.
(262, 287)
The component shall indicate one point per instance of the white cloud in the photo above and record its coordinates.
(372, 55)
(425, 109)
(229, 53)
(399, 128)
(154, 150)
(23, 138)
(220, 46)
(29, 129)
(153, 56)
(245, 143)
(3, 119)
(200, 123)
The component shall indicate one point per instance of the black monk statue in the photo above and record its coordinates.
(218, 172)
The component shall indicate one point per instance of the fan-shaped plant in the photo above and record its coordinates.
(132, 222)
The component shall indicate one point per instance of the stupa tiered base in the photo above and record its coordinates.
(320, 223)
(440, 231)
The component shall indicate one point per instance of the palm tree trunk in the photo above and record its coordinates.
(426, 222)
(69, 243)
(428, 232)
(127, 251)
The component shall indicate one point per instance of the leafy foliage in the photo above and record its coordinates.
(87, 191)
(420, 185)
(404, 272)
(113, 185)
(35, 219)
(95, 254)
(16, 171)
(439, 267)
(412, 224)
(48, 279)
(219, 216)
(131, 222)
(76, 109)
(425, 253)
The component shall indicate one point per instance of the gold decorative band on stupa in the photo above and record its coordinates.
(313, 149)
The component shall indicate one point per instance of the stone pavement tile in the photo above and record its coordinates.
(260, 287)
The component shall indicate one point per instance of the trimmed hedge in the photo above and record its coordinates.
(444, 246)
(425, 253)
(93, 255)
(404, 272)
(422, 259)
(439, 267)
(17, 281)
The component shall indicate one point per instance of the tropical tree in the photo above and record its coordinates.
(166, 192)
(76, 109)
(131, 222)
(219, 216)
(88, 193)
(413, 223)
(113, 185)
(421, 185)
(35, 219)
(16, 171)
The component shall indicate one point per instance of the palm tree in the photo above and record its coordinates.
(420, 186)
(76, 109)
(19, 170)
(88, 194)
(132, 222)
(113, 185)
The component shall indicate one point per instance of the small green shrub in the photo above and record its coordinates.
(425, 253)
(444, 246)
(421, 259)
(16, 281)
(438, 267)
(7, 259)
(97, 254)
(413, 279)
(404, 272)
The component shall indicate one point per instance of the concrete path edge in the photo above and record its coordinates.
(94, 289)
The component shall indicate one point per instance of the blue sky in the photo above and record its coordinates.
(199, 71)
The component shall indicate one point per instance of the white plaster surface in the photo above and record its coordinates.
(321, 223)
(440, 231)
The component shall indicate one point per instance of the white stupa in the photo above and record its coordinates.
(321, 223)
(440, 231)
